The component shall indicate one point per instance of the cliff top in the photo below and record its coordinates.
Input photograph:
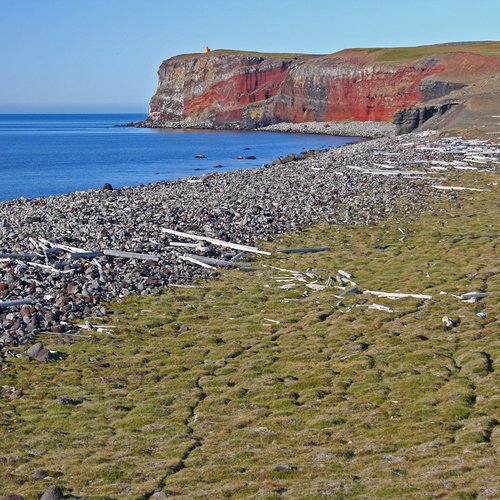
(375, 54)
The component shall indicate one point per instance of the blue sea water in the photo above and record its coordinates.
(42, 155)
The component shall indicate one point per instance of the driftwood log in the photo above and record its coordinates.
(14, 303)
(214, 241)
(131, 255)
(304, 250)
(217, 262)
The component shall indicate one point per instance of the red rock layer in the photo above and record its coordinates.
(245, 90)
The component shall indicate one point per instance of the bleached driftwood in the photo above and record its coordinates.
(67, 248)
(217, 262)
(14, 303)
(275, 321)
(345, 274)
(353, 289)
(90, 326)
(456, 188)
(214, 241)
(197, 246)
(195, 261)
(389, 173)
(43, 266)
(131, 255)
(289, 286)
(304, 250)
(395, 296)
(476, 295)
(64, 334)
(316, 287)
(378, 307)
(282, 269)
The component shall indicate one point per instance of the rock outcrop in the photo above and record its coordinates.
(230, 89)
(410, 119)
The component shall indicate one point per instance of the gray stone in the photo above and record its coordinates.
(33, 351)
(53, 493)
(43, 355)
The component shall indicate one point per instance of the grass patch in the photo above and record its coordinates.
(196, 394)
(491, 49)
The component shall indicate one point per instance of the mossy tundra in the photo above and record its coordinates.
(196, 393)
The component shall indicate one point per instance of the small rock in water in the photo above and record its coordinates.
(251, 157)
(239, 157)
(200, 156)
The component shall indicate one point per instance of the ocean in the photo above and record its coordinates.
(43, 155)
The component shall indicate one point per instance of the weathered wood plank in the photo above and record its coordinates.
(131, 255)
(217, 262)
(86, 255)
(20, 255)
(394, 295)
(456, 188)
(15, 303)
(195, 261)
(214, 241)
(304, 250)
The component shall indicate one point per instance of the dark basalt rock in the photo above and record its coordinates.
(410, 119)
(433, 89)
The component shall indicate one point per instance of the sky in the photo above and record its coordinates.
(92, 56)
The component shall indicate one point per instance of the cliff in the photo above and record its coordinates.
(231, 89)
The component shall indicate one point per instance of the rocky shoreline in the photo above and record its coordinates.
(45, 243)
(345, 128)
(348, 128)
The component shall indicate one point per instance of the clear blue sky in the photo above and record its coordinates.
(102, 55)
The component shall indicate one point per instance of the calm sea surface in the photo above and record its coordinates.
(43, 155)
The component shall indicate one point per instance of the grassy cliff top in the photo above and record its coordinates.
(489, 48)
(393, 54)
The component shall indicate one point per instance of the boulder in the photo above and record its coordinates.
(53, 493)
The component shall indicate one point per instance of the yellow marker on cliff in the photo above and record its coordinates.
(206, 50)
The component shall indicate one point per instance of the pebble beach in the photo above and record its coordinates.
(43, 241)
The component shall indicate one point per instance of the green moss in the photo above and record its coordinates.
(362, 403)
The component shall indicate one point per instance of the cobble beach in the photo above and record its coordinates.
(43, 241)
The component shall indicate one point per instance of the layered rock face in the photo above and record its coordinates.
(229, 89)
